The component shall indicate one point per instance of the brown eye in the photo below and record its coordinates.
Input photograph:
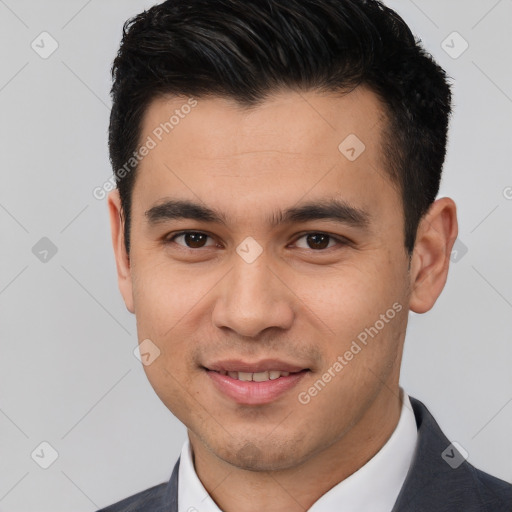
(318, 241)
(191, 239)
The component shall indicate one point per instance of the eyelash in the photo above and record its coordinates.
(340, 240)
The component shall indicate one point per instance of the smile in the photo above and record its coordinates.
(254, 388)
(256, 377)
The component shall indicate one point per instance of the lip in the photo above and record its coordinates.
(255, 393)
(264, 365)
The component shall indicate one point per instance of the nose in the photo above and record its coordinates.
(252, 298)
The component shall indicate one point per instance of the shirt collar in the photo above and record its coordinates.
(384, 474)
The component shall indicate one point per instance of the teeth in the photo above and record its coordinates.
(256, 377)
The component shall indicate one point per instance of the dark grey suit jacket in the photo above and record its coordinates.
(432, 485)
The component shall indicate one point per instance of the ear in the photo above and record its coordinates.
(435, 237)
(124, 277)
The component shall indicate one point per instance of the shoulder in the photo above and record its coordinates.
(441, 479)
(159, 498)
(495, 493)
(149, 500)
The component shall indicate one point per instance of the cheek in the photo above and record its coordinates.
(164, 295)
(174, 388)
(349, 299)
(169, 303)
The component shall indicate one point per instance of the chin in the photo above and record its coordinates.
(262, 456)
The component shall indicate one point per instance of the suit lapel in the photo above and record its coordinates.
(432, 484)
(171, 491)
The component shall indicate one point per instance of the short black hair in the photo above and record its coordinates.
(247, 49)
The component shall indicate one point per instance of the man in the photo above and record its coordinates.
(275, 220)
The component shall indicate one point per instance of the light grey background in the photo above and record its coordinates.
(68, 375)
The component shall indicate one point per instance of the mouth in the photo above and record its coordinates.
(254, 384)
(258, 376)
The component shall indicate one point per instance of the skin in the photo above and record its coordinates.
(295, 302)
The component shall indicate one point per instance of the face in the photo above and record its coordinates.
(258, 243)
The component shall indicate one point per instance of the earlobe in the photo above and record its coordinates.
(124, 277)
(436, 235)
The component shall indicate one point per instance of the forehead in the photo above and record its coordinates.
(299, 122)
(291, 145)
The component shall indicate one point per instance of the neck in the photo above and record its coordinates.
(298, 488)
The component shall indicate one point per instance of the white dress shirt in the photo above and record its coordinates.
(374, 487)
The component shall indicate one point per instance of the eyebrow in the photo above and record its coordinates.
(331, 209)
